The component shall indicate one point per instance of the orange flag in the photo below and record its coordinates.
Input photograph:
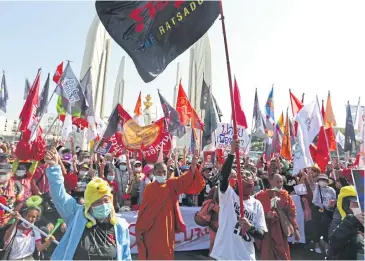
(286, 145)
(186, 111)
(329, 121)
(138, 108)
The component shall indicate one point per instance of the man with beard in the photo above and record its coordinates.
(230, 242)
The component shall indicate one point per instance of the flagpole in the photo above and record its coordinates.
(239, 175)
(338, 155)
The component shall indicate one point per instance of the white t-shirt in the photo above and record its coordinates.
(229, 243)
(24, 243)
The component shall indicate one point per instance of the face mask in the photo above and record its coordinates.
(161, 179)
(151, 177)
(232, 182)
(123, 168)
(102, 211)
(356, 211)
(108, 162)
(20, 173)
(138, 170)
(110, 178)
(322, 183)
(86, 161)
(82, 173)
(4, 178)
(247, 189)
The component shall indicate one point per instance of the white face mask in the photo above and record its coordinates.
(82, 173)
(151, 177)
(161, 179)
(356, 211)
(138, 170)
(4, 178)
(123, 168)
(110, 178)
(20, 173)
(322, 183)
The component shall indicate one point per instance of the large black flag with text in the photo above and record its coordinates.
(154, 33)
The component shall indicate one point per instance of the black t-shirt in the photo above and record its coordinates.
(97, 243)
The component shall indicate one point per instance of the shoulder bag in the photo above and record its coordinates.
(204, 215)
(286, 226)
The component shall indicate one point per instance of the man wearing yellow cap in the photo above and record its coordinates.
(93, 230)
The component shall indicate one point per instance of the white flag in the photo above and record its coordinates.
(340, 139)
(67, 125)
(309, 123)
(310, 120)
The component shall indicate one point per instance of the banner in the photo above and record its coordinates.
(197, 237)
(224, 137)
(146, 140)
(154, 33)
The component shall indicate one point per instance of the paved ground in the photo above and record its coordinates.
(298, 252)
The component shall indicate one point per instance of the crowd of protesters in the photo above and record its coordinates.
(74, 196)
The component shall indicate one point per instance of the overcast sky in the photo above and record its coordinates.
(308, 46)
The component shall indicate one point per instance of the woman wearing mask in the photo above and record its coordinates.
(22, 239)
(24, 171)
(149, 178)
(346, 241)
(324, 200)
(122, 177)
(82, 180)
(134, 187)
(93, 232)
(110, 178)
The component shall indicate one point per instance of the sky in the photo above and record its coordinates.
(309, 46)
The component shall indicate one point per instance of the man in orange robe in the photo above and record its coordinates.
(159, 217)
(275, 244)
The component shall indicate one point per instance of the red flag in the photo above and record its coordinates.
(186, 111)
(240, 114)
(330, 133)
(28, 115)
(322, 156)
(58, 73)
(296, 104)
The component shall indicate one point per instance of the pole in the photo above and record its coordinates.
(50, 128)
(28, 223)
(235, 136)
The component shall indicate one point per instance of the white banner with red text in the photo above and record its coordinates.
(196, 237)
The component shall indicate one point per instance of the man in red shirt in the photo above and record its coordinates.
(40, 180)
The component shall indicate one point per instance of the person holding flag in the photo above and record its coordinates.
(231, 243)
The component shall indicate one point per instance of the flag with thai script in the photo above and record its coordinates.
(358, 178)
(154, 33)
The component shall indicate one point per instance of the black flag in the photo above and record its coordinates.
(210, 117)
(349, 131)
(172, 117)
(43, 99)
(154, 33)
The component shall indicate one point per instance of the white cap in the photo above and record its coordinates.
(123, 159)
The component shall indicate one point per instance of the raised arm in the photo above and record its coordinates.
(227, 167)
(184, 182)
(64, 203)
